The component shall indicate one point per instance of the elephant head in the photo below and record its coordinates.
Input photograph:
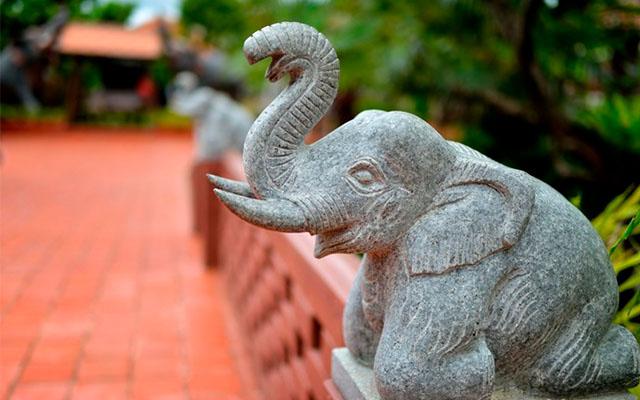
(360, 188)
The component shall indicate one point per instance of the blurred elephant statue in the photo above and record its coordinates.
(476, 276)
(18, 56)
(221, 123)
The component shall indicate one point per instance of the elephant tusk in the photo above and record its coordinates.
(276, 214)
(231, 186)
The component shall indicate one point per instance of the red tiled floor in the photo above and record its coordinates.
(103, 391)
(40, 391)
(103, 292)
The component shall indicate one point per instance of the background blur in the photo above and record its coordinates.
(551, 87)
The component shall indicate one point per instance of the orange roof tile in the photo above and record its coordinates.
(108, 40)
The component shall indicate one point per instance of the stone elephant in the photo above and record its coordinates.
(476, 276)
(17, 57)
(220, 123)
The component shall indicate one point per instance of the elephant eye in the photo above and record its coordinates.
(363, 176)
(366, 177)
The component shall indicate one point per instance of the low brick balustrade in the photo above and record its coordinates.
(288, 305)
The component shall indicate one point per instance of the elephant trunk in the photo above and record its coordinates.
(277, 136)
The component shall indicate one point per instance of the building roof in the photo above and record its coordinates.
(108, 40)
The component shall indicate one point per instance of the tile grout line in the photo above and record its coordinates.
(52, 303)
(87, 335)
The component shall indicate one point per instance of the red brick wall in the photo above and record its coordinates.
(288, 304)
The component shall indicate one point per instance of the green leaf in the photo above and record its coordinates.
(627, 233)
(632, 282)
(625, 263)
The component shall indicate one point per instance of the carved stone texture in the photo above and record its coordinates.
(356, 382)
(221, 123)
(476, 277)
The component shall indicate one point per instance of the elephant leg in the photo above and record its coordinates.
(433, 346)
(619, 357)
(360, 338)
(465, 375)
(591, 356)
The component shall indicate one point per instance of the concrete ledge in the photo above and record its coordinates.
(354, 381)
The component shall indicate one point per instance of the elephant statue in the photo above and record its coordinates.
(221, 123)
(18, 56)
(475, 277)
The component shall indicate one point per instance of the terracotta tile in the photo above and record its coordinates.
(112, 291)
(48, 372)
(57, 350)
(116, 390)
(8, 375)
(41, 391)
(20, 326)
(159, 369)
(212, 395)
(12, 352)
(223, 380)
(158, 349)
(98, 369)
(118, 346)
(158, 390)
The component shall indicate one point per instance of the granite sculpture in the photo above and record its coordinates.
(18, 56)
(220, 123)
(476, 277)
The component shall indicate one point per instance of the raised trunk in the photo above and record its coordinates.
(275, 139)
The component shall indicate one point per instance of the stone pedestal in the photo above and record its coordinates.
(355, 382)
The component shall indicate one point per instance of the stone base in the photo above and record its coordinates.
(354, 381)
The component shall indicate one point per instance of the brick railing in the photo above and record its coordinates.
(288, 305)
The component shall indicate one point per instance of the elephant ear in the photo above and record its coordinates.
(481, 209)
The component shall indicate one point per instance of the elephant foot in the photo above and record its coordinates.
(516, 394)
(355, 381)
(612, 364)
(464, 375)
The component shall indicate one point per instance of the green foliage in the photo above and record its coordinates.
(111, 11)
(221, 17)
(619, 227)
(161, 72)
(157, 118)
(17, 15)
(44, 114)
(617, 119)
(518, 77)
(433, 48)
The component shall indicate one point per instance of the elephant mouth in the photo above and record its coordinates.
(281, 215)
(277, 68)
(335, 241)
